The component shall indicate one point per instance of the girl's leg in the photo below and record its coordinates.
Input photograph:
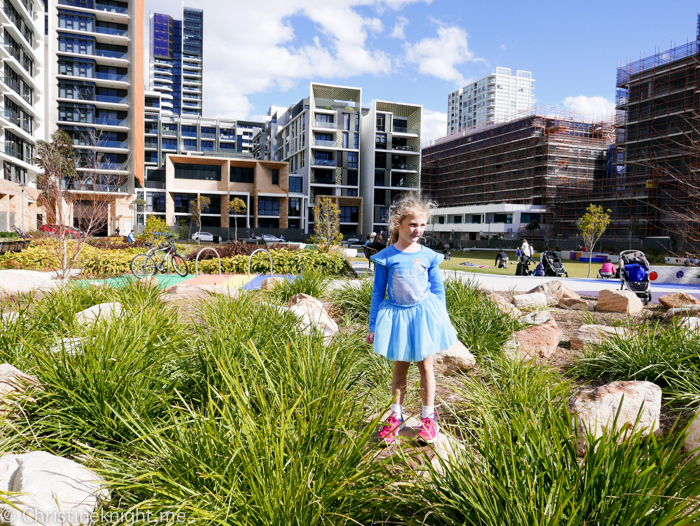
(398, 381)
(427, 381)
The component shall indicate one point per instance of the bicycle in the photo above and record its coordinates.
(158, 259)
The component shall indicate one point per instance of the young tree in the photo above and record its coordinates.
(236, 206)
(154, 228)
(592, 225)
(326, 223)
(533, 225)
(196, 208)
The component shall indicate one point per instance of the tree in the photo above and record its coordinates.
(592, 225)
(154, 228)
(326, 223)
(196, 208)
(236, 206)
(533, 225)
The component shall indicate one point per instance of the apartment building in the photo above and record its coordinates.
(22, 121)
(94, 89)
(176, 61)
(498, 97)
(390, 158)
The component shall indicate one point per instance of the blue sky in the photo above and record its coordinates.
(264, 53)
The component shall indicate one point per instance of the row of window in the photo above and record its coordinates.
(18, 85)
(205, 172)
(20, 53)
(18, 20)
(16, 114)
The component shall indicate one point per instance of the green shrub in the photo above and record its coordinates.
(284, 262)
(9, 235)
(154, 229)
(308, 282)
(105, 263)
(355, 298)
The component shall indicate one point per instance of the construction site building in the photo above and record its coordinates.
(547, 158)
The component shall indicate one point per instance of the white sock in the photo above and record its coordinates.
(398, 410)
(428, 410)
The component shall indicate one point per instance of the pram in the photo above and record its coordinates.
(552, 264)
(634, 274)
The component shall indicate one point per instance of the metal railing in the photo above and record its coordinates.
(323, 124)
(196, 261)
(250, 259)
(320, 142)
(323, 162)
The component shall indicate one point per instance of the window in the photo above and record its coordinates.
(295, 184)
(202, 172)
(348, 214)
(457, 220)
(346, 121)
(356, 141)
(381, 121)
(503, 218)
(276, 177)
(295, 206)
(352, 159)
(242, 175)
(345, 139)
(268, 206)
(441, 220)
(381, 140)
(380, 160)
(268, 222)
(526, 218)
(476, 220)
(351, 192)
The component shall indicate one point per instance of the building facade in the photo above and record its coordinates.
(94, 89)
(176, 61)
(390, 159)
(498, 97)
(22, 122)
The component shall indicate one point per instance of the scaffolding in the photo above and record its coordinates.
(548, 156)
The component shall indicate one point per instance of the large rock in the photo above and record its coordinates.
(505, 306)
(596, 409)
(13, 384)
(555, 291)
(101, 311)
(623, 301)
(271, 283)
(538, 341)
(568, 294)
(677, 300)
(530, 301)
(682, 312)
(454, 360)
(536, 318)
(312, 311)
(595, 335)
(575, 304)
(692, 441)
(14, 282)
(692, 324)
(53, 490)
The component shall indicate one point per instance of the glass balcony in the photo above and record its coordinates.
(108, 53)
(112, 9)
(170, 147)
(404, 148)
(324, 143)
(111, 98)
(401, 166)
(110, 76)
(169, 133)
(112, 31)
(190, 148)
(320, 124)
(323, 162)
(107, 121)
(105, 143)
(209, 136)
(400, 129)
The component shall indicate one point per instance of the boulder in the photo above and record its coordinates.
(568, 294)
(505, 306)
(692, 324)
(596, 409)
(9, 318)
(484, 290)
(53, 490)
(595, 335)
(529, 301)
(538, 341)
(195, 293)
(446, 451)
(13, 383)
(682, 312)
(555, 291)
(454, 360)
(271, 283)
(575, 304)
(101, 311)
(14, 282)
(692, 440)
(536, 318)
(623, 301)
(312, 311)
(677, 300)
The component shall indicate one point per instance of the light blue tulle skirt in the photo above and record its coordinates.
(412, 333)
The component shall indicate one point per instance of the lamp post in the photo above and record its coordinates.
(489, 238)
(24, 226)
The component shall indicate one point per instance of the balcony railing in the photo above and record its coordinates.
(318, 142)
(189, 148)
(111, 31)
(208, 135)
(108, 53)
(112, 9)
(404, 129)
(169, 133)
(110, 76)
(110, 98)
(404, 148)
(401, 166)
(323, 124)
(323, 162)
(106, 121)
(172, 147)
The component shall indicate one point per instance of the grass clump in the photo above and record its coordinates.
(308, 282)
(354, 297)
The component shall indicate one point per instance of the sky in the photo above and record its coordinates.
(263, 53)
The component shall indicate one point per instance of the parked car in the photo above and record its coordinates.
(352, 241)
(203, 236)
(269, 238)
(56, 229)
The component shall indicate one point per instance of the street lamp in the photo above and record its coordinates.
(24, 226)
(488, 239)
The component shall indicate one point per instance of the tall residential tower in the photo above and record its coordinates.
(175, 61)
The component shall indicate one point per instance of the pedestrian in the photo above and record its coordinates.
(378, 243)
(370, 239)
(532, 251)
(131, 237)
(116, 231)
(518, 253)
(412, 324)
(502, 259)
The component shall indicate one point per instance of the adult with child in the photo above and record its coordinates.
(412, 324)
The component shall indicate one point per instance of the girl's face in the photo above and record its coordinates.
(412, 227)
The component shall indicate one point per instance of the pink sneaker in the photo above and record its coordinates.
(429, 429)
(391, 429)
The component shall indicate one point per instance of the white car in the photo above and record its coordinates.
(352, 241)
(268, 238)
(203, 236)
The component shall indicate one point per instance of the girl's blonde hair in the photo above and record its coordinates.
(407, 205)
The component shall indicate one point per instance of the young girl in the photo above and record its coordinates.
(413, 323)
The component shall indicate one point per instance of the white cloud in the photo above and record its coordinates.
(440, 56)
(593, 106)
(252, 47)
(503, 47)
(433, 126)
(398, 32)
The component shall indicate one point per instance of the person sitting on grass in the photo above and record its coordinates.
(412, 324)
(502, 259)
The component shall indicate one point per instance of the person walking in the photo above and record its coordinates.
(412, 324)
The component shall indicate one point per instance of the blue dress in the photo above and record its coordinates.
(413, 322)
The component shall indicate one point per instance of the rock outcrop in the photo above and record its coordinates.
(505, 306)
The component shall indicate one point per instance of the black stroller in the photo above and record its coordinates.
(634, 274)
(552, 264)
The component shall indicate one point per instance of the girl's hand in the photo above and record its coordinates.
(370, 338)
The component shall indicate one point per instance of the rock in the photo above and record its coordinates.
(595, 335)
(446, 451)
(71, 346)
(538, 341)
(305, 306)
(271, 283)
(692, 324)
(677, 300)
(9, 317)
(505, 306)
(692, 441)
(196, 293)
(14, 282)
(680, 312)
(528, 301)
(13, 382)
(574, 304)
(553, 290)
(102, 311)
(619, 301)
(150, 281)
(54, 489)
(536, 318)
(595, 409)
(484, 290)
(454, 360)
(568, 294)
